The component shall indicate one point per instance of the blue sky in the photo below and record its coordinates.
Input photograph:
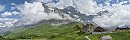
(112, 2)
(8, 8)
(8, 5)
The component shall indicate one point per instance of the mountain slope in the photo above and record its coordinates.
(69, 31)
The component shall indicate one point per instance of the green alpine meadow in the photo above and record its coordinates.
(64, 19)
(70, 31)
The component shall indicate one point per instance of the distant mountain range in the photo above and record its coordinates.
(76, 15)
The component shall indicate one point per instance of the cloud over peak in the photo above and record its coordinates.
(34, 12)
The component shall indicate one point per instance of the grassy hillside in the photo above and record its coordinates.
(115, 36)
(69, 31)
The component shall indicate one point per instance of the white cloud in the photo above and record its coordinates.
(13, 4)
(61, 4)
(34, 12)
(118, 15)
(2, 7)
(8, 19)
(8, 22)
(44, 1)
(2, 25)
(5, 14)
(15, 13)
(87, 7)
(129, 0)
